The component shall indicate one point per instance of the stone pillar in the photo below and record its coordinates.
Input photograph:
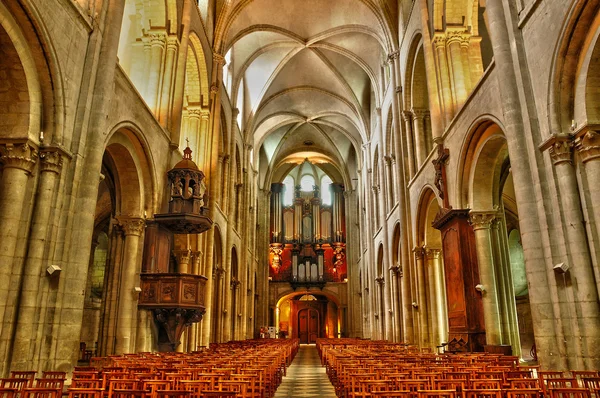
(521, 147)
(168, 80)
(420, 136)
(435, 259)
(444, 83)
(587, 144)
(338, 193)
(18, 162)
(298, 218)
(421, 295)
(192, 131)
(395, 272)
(432, 294)
(481, 222)
(133, 228)
(459, 73)
(579, 261)
(157, 47)
(111, 291)
(380, 306)
(35, 269)
(407, 116)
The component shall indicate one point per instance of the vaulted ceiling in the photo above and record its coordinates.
(306, 75)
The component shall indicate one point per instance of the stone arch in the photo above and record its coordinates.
(217, 288)
(125, 195)
(484, 159)
(21, 79)
(432, 289)
(575, 61)
(486, 188)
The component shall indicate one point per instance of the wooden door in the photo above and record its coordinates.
(308, 325)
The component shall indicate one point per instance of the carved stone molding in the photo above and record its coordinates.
(132, 225)
(158, 39)
(419, 252)
(481, 219)
(433, 254)
(51, 161)
(19, 156)
(407, 116)
(397, 269)
(439, 40)
(420, 114)
(172, 42)
(587, 144)
(219, 59)
(380, 280)
(214, 89)
(560, 147)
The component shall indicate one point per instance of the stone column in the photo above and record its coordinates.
(527, 191)
(444, 82)
(432, 296)
(407, 116)
(157, 43)
(419, 133)
(168, 80)
(579, 261)
(276, 189)
(481, 222)
(18, 162)
(193, 128)
(459, 74)
(395, 272)
(587, 144)
(440, 308)
(184, 258)
(133, 228)
(110, 295)
(421, 308)
(28, 320)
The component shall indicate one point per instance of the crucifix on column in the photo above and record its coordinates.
(440, 173)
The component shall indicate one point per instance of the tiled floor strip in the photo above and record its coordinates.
(306, 377)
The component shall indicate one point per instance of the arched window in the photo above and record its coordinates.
(288, 195)
(307, 183)
(326, 190)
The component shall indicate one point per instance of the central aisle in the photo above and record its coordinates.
(306, 377)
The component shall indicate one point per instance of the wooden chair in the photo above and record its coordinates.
(482, 393)
(218, 394)
(8, 392)
(591, 383)
(173, 393)
(437, 393)
(75, 392)
(50, 383)
(38, 392)
(563, 382)
(523, 393)
(50, 374)
(24, 374)
(524, 383)
(486, 384)
(128, 393)
(17, 383)
(570, 393)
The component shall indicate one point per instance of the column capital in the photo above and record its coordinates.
(419, 252)
(172, 42)
(214, 89)
(396, 269)
(587, 144)
(419, 113)
(433, 253)
(132, 225)
(51, 160)
(392, 56)
(157, 38)
(439, 40)
(194, 111)
(19, 156)
(481, 219)
(375, 189)
(560, 148)
(458, 35)
(407, 116)
(380, 280)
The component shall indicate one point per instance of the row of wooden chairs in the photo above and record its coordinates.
(248, 369)
(363, 368)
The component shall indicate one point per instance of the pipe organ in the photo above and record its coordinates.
(308, 242)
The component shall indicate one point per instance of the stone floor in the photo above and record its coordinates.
(306, 377)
